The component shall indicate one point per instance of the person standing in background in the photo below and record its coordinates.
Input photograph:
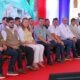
(78, 19)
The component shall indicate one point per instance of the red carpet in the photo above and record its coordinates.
(43, 73)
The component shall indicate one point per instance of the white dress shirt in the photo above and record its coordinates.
(20, 33)
(64, 32)
(53, 29)
(75, 31)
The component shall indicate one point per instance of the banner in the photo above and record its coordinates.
(15, 7)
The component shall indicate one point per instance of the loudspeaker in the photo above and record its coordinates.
(65, 76)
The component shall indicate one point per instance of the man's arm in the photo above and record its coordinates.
(4, 36)
(42, 39)
(72, 37)
(51, 36)
(57, 38)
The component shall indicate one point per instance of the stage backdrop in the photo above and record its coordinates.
(18, 8)
(53, 8)
(74, 8)
(40, 8)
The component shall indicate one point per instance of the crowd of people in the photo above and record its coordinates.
(37, 41)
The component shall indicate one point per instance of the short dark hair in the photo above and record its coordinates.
(9, 19)
(55, 19)
(17, 18)
(73, 19)
(4, 18)
(46, 19)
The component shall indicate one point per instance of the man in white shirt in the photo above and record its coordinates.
(68, 38)
(53, 31)
(4, 23)
(76, 32)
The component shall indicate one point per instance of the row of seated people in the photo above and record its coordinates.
(16, 37)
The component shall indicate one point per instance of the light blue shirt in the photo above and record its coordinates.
(41, 31)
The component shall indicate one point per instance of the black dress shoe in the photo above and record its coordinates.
(21, 71)
(75, 56)
(67, 57)
(31, 68)
(58, 60)
(62, 59)
(49, 63)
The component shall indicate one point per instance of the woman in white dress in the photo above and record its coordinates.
(25, 36)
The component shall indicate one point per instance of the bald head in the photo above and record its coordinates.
(64, 20)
